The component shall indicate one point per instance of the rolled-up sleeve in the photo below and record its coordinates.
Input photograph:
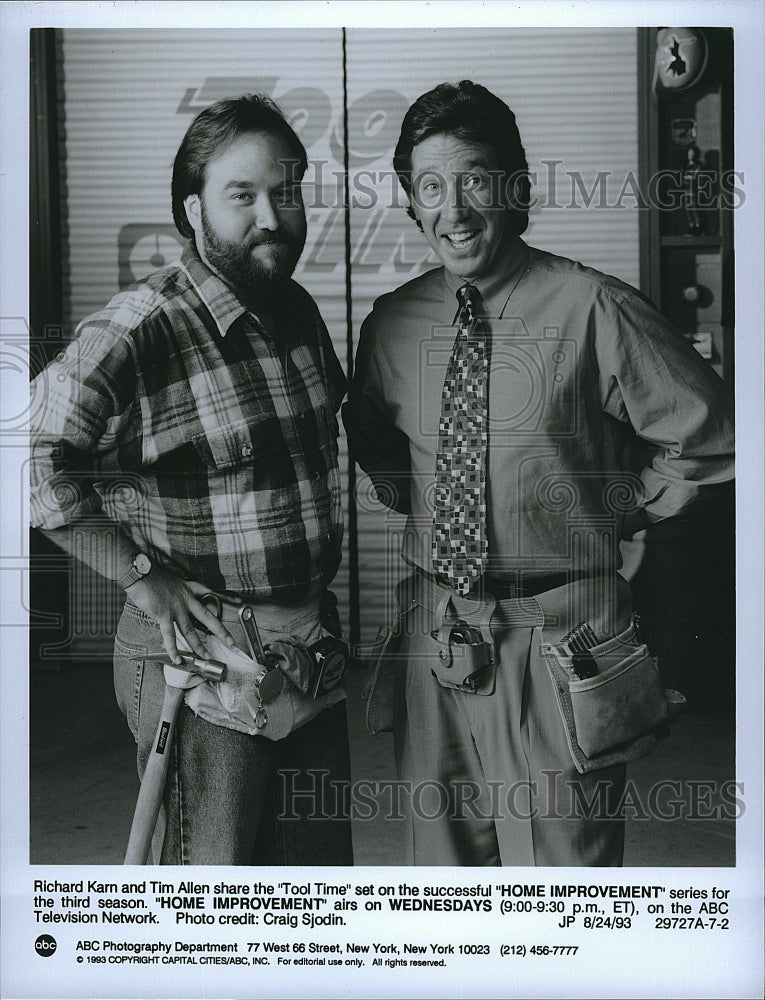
(80, 405)
(653, 379)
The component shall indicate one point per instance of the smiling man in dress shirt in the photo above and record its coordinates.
(516, 511)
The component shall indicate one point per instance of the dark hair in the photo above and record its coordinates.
(211, 131)
(471, 113)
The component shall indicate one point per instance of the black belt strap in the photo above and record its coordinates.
(524, 612)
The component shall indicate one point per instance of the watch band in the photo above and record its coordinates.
(140, 568)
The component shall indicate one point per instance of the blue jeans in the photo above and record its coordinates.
(232, 798)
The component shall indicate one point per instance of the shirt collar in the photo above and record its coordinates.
(495, 291)
(224, 306)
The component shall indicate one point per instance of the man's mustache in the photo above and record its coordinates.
(269, 239)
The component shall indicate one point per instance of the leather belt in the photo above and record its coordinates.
(529, 587)
(507, 612)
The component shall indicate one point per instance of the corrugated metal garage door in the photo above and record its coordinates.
(129, 96)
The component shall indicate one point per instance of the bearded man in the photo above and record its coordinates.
(211, 389)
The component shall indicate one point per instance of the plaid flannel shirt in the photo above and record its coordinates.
(173, 411)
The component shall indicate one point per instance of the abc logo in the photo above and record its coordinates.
(45, 945)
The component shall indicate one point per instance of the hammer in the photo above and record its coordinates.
(178, 679)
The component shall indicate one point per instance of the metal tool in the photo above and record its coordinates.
(270, 680)
(246, 616)
(178, 679)
(250, 626)
(576, 645)
(207, 669)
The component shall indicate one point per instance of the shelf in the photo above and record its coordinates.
(691, 241)
(672, 258)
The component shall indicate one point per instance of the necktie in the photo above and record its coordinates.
(459, 510)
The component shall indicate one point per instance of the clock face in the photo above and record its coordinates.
(152, 252)
(144, 248)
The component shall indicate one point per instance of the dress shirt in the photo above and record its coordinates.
(597, 407)
(210, 438)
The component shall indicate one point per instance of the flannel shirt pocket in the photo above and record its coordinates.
(228, 446)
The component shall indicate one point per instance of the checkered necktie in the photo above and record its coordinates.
(459, 515)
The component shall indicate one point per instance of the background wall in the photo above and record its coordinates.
(127, 97)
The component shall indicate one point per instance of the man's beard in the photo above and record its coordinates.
(238, 266)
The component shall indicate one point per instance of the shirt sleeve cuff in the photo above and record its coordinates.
(58, 505)
(664, 498)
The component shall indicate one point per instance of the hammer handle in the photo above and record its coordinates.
(153, 781)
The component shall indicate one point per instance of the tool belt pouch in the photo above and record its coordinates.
(465, 657)
(237, 702)
(620, 713)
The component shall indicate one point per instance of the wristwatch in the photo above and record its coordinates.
(141, 567)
